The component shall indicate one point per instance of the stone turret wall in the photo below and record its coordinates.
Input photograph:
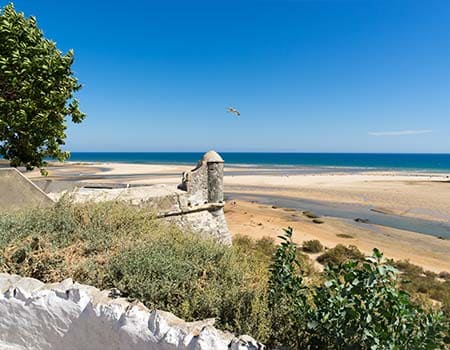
(203, 200)
(204, 184)
(215, 180)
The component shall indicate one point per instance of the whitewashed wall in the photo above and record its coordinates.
(69, 316)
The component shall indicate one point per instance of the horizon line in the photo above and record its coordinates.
(272, 152)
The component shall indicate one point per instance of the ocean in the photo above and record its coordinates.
(356, 161)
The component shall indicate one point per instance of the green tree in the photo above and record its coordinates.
(36, 93)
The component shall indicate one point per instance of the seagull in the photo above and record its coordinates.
(233, 110)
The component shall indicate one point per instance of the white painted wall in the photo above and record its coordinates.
(69, 316)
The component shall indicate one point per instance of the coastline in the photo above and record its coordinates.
(256, 221)
(401, 194)
(413, 162)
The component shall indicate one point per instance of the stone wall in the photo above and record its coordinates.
(196, 204)
(203, 201)
(72, 316)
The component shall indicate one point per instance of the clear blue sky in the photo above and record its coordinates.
(308, 76)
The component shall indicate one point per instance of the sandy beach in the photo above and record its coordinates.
(395, 195)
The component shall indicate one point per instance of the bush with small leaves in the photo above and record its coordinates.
(115, 245)
(312, 246)
(287, 296)
(357, 305)
(339, 254)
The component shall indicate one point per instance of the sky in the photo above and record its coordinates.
(307, 76)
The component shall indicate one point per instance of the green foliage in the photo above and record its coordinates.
(340, 254)
(253, 287)
(115, 245)
(287, 296)
(195, 278)
(71, 234)
(312, 246)
(344, 235)
(444, 275)
(36, 92)
(418, 282)
(266, 246)
(406, 267)
(357, 305)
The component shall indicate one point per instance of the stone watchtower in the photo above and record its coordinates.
(204, 200)
(204, 183)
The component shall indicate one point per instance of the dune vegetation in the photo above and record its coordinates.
(271, 292)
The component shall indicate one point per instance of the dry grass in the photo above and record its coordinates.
(115, 245)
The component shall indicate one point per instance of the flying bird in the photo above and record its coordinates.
(233, 110)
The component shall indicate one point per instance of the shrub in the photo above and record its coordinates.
(195, 278)
(355, 303)
(312, 246)
(340, 254)
(56, 243)
(243, 242)
(287, 296)
(266, 246)
(406, 267)
(444, 275)
(344, 235)
(263, 249)
(358, 306)
(418, 283)
(430, 274)
(115, 245)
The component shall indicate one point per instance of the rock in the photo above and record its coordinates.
(115, 293)
(246, 342)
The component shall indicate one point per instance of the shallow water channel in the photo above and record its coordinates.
(351, 211)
